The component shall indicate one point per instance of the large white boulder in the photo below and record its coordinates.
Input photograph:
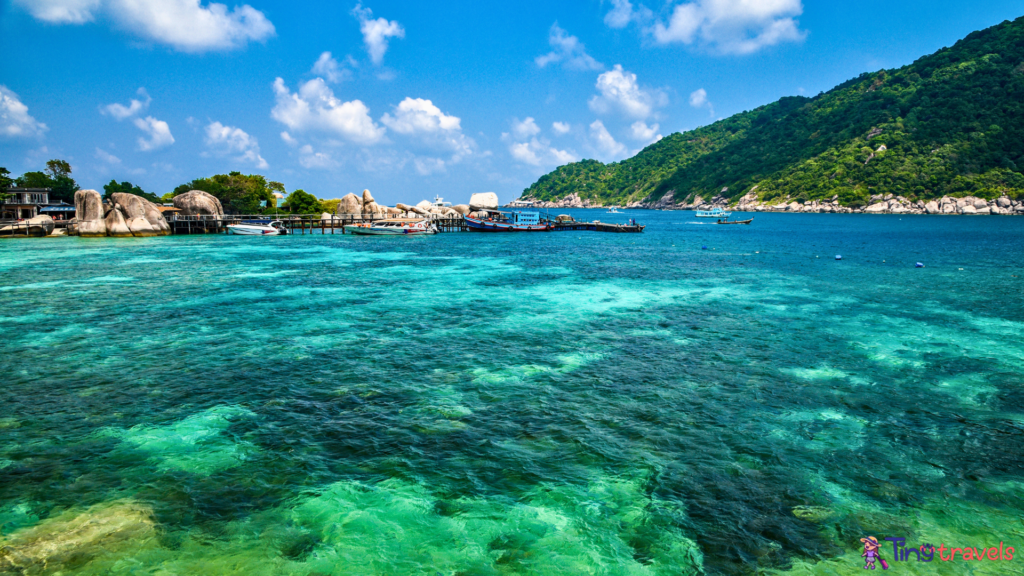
(115, 222)
(198, 203)
(89, 213)
(350, 204)
(484, 201)
(877, 208)
(932, 208)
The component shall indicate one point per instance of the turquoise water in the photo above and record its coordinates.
(558, 403)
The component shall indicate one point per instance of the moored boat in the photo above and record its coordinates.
(514, 221)
(257, 228)
(394, 227)
(713, 213)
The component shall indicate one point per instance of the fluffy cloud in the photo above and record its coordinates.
(619, 91)
(426, 122)
(376, 32)
(315, 108)
(732, 26)
(620, 15)
(428, 166)
(639, 130)
(15, 121)
(605, 144)
(699, 98)
(327, 67)
(120, 111)
(568, 50)
(225, 140)
(560, 128)
(309, 158)
(525, 129)
(158, 131)
(61, 11)
(185, 25)
(107, 157)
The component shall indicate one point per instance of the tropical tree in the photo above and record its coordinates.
(301, 202)
(5, 182)
(56, 177)
(127, 187)
(239, 193)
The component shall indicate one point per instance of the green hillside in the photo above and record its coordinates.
(952, 124)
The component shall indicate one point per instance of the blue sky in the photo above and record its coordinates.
(412, 99)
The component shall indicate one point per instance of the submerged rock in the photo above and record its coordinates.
(198, 203)
(71, 539)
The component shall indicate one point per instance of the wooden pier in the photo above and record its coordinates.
(312, 223)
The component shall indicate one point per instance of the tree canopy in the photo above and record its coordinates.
(56, 176)
(950, 124)
(300, 202)
(240, 194)
(113, 186)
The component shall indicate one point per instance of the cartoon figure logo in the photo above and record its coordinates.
(871, 554)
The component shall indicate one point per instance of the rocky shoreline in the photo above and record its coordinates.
(880, 204)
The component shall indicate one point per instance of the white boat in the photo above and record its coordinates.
(713, 213)
(393, 227)
(612, 210)
(272, 228)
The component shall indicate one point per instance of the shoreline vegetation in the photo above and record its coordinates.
(943, 130)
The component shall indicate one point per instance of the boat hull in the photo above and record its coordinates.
(479, 225)
(251, 230)
(360, 231)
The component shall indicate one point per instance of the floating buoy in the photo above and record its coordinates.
(838, 257)
(918, 265)
(703, 247)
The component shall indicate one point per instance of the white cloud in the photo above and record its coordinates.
(538, 152)
(620, 15)
(185, 25)
(107, 157)
(315, 108)
(159, 133)
(426, 122)
(699, 98)
(308, 158)
(120, 111)
(639, 130)
(560, 128)
(15, 121)
(327, 67)
(525, 129)
(376, 32)
(605, 143)
(568, 50)
(620, 91)
(231, 140)
(288, 139)
(428, 166)
(732, 26)
(61, 11)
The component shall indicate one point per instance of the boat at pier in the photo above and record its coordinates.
(713, 213)
(514, 221)
(258, 228)
(394, 227)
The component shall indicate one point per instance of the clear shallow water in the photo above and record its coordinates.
(570, 403)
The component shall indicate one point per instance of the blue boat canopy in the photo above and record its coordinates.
(58, 209)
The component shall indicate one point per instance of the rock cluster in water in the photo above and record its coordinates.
(880, 204)
(123, 216)
(198, 203)
(352, 205)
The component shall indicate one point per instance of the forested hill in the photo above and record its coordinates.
(952, 123)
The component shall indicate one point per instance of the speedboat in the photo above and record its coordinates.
(257, 228)
(513, 221)
(612, 210)
(394, 227)
(713, 213)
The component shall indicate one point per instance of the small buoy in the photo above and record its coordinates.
(838, 257)
(703, 247)
(918, 265)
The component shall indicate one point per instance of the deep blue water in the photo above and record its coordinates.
(551, 403)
